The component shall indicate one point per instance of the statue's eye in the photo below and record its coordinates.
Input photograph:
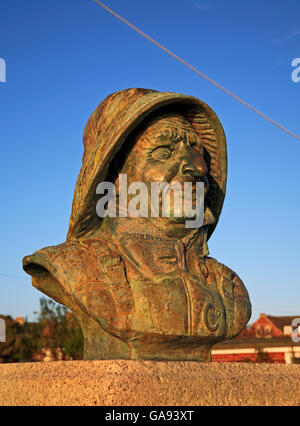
(161, 153)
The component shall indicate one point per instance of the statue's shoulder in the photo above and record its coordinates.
(74, 255)
(227, 277)
(61, 270)
(234, 295)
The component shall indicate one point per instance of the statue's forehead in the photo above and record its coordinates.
(172, 126)
(173, 120)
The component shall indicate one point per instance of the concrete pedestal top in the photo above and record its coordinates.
(150, 383)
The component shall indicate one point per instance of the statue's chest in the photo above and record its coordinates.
(179, 305)
(165, 291)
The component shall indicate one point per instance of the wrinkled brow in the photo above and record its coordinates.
(175, 135)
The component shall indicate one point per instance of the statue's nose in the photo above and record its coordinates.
(194, 165)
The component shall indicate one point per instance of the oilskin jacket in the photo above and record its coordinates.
(147, 291)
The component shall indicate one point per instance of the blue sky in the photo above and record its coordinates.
(65, 56)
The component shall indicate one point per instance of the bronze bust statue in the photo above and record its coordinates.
(144, 287)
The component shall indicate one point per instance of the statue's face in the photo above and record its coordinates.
(169, 151)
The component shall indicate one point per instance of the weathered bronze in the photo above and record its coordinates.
(144, 287)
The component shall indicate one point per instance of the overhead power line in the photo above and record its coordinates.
(197, 71)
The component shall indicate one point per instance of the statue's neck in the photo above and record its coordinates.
(118, 227)
(157, 227)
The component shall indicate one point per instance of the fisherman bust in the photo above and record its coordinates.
(144, 287)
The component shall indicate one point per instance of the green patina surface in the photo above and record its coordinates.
(145, 287)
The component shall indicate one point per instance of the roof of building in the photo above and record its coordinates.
(280, 322)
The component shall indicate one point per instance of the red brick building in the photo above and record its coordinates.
(269, 326)
(269, 339)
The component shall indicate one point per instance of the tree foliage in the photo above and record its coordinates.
(56, 333)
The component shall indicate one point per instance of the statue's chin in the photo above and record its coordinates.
(172, 227)
(180, 220)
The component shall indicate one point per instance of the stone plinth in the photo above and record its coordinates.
(137, 383)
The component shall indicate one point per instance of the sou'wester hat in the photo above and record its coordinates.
(109, 128)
